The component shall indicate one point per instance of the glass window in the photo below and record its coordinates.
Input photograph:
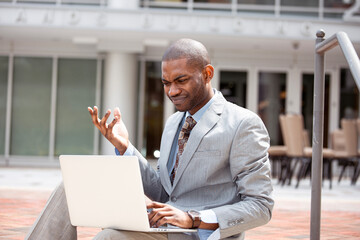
(257, 2)
(256, 6)
(335, 8)
(37, 1)
(178, 4)
(195, 1)
(308, 102)
(306, 8)
(233, 86)
(84, 2)
(272, 94)
(4, 64)
(164, 0)
(333, 15)
(349, 96)
(153, 109)
(212, 1)
(214, 5)
(31, 106)
(310, 14)
(70, 2)
(338, 3)
(74, 132)
(303, 3)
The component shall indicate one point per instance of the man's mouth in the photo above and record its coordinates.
(178, 100)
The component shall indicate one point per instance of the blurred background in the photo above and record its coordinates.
(57, 57)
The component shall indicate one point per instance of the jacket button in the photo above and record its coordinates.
(240, 221)
(173, 199)
(232, 223)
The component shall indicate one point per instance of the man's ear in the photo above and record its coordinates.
(208, 72)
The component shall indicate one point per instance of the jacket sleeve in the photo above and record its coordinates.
(250, 171)
(151, 180)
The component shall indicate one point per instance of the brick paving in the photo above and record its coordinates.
(19, 210)
(19, 207)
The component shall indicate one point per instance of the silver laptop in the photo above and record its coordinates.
(107, 192)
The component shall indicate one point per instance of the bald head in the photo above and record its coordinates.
(194, 51)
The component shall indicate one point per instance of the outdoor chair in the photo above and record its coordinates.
(338, 140)
(306, 137)
(278, 154)
(287, 162)
(328, 157)
(287, 168)
(357, 170)
(348, 157)
(299, 150)
(295, 147)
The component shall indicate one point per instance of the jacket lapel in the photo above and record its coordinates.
(206, 123)
(169, 134)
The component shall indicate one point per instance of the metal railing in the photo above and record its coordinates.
(273, 8)
(322, 45)
(277, 8)
(58, 2)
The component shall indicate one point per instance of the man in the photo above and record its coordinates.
(223, 169)
(213, 165)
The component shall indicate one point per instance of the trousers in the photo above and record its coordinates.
(54, 223)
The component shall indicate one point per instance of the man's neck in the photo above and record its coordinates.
(198, 114)
(203, 103)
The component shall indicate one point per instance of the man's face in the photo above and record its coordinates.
(184, 85)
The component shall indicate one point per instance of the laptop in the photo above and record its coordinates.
(107, 192)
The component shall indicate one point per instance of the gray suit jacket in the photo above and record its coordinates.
(224, 167)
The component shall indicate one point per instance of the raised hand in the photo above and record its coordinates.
(115, 131)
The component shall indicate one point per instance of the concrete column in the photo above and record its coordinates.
(120, 90)
(293, 92)
(168, 108)
(252, 90)
(334, 108)
(123, 4)
(215, 81)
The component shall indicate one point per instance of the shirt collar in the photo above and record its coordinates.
(197, 116)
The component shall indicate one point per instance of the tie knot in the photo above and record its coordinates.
(189, 124)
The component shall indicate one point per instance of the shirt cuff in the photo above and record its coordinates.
(130, 151)
(208, 216)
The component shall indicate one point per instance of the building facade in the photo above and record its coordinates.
(57, 57)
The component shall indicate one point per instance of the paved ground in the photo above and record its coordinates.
(23, 193)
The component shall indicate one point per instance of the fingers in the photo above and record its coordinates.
(155, 205)
(156, 208)
(90, 110)
(113, 122)
(166, 220)
(166, 214)
(160, 216)
(104, 119)
(101, 124)
(94, 116)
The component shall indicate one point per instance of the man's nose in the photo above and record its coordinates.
(173, 91)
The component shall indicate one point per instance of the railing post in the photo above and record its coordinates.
(317, 155)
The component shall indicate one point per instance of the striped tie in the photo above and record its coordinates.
(183, 138)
